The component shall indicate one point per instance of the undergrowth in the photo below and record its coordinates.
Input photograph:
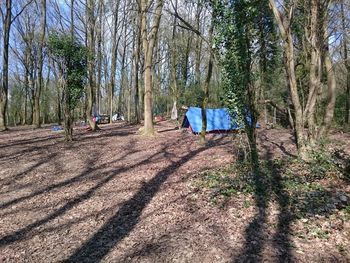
(306, 188)
(312, 200)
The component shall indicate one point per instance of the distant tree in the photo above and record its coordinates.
(7, 18)
(136, 65)
(71, 59)
(206, 87)
(40, 84)
(114, 55)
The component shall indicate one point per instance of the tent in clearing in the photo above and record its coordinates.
(218, 120)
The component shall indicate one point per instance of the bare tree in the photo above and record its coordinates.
(136, 62)
(206, 86)
(90, 90)
(115, 43)
(306, 128)
(149, 37)
(6, 24)
(346, 62)
(39, 85)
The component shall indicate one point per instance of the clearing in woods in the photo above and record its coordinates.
(115, 196)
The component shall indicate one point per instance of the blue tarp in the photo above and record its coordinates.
(217, 120)
(57, 128)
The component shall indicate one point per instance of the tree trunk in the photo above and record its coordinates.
(347, 67)
(206, 88)
(115, 44)
(263, 62)
(315, 70)
(332, 85)
(58, 94)
(298, 113)
(99, 56)
(32, 90)
(72, 18)
(285, 30)
(173, 68)
(68, 122)
(129, 99)
(25, 113)
(45, 108)
(148, 128)
(185, 61)
(39, 86)
(91, 64)
(68, 129)
(198, 51)
(123, 76)
(5, 63)
(26, 86)
(198, 61)
(149, 38)
(59, 115)
(347, 107)
(136, 59)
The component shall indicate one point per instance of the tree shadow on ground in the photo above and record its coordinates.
(271, 184)
(20, 146)
(255, 232)
(264, 138)
(91, 172)
(118, 226)
(13, 178)
(124, 221)
(87, 173)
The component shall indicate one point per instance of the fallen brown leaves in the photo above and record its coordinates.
(116, 196)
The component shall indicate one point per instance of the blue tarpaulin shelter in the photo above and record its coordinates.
(218, 120)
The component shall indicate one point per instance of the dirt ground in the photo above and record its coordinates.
(115, 196)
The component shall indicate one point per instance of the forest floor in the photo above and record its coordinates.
(115, 196)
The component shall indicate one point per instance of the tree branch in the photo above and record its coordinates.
(20, 12)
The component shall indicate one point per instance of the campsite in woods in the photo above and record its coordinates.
(174, 131)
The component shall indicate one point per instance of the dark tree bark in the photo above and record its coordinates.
(347, 66)
(5, 64)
